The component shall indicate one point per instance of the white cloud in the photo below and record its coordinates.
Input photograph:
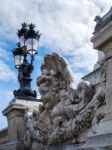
(38, 96)
(78, 77)
(84, 57)
(4, 54)
(66, 25)
(9, 95)
(5, 72)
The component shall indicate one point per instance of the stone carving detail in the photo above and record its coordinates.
(65, 112)
(98, 21)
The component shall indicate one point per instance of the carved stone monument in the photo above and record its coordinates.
(68, 118)
(66, 114)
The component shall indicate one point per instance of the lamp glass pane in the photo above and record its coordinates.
(32, 44)
(18, 60)
(22, 41)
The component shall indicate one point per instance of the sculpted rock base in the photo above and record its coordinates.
(65, 113)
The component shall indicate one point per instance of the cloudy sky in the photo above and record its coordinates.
(66, 27)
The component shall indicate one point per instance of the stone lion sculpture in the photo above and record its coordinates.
(65, 111)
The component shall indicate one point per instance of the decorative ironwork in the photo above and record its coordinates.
(23, 30)
(24, 67)
(32, 33)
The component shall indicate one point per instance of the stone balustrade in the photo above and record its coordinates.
(3, 136)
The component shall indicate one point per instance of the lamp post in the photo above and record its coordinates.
(27, 45)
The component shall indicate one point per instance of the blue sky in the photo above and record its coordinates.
(66, 27)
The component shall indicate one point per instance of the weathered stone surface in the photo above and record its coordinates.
(66, 113)
(102, 41)
(15, 145)
(15, 115)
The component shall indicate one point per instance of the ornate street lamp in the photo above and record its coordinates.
(29, 39)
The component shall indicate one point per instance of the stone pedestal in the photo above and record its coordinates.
(15, 117)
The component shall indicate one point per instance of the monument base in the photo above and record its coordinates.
(12, 146)
(100, 142)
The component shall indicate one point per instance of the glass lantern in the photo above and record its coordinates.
(22, 33)
(18, 60)
(22, 41)
(32, 39)
(32, 45)
(18, 57)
